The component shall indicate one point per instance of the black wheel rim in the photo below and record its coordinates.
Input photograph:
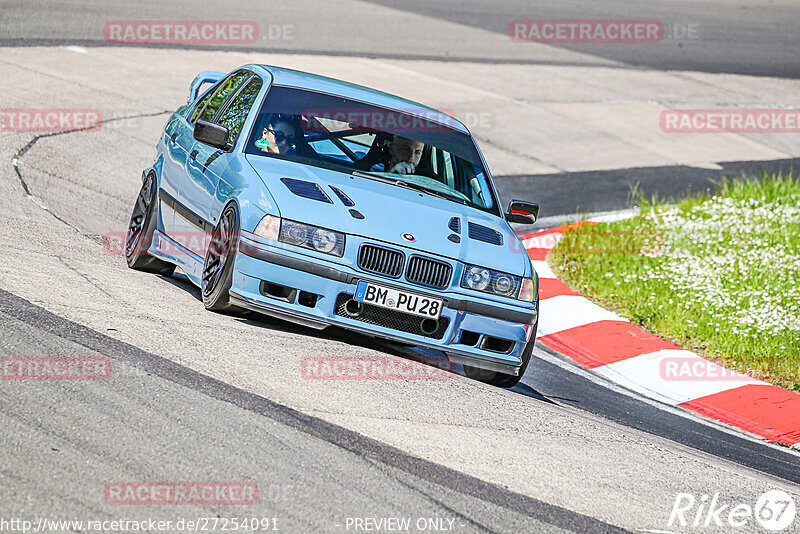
(139, 215)
(220, 250)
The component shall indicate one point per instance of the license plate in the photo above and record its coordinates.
(394, 299)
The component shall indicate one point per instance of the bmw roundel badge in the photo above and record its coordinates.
(409, 237)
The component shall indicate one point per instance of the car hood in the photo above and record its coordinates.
(389, 212)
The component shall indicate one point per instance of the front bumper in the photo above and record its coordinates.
(314, 294)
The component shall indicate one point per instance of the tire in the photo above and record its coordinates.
(503, 380)
(220, 257)
(140, 232)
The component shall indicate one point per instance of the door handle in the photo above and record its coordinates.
(174, 136)
(193, 155)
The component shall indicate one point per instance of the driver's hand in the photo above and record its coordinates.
(403, 167)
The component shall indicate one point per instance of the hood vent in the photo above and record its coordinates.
(455, 224)
(487, 235)
(344, 198)
(308, 190)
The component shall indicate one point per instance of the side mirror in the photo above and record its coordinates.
(211, 134)
(522, 212)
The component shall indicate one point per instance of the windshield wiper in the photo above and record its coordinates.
(364, 174)
(410, 185)
(432, 192)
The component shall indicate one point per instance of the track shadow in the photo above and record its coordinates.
(181, 281)
(525, 389)
(424, 356)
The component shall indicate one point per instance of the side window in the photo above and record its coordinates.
(219, 96)
(234, 116)
(201, 105)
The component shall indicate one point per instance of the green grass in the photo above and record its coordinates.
(718, 275)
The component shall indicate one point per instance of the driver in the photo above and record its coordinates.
(405, 155)
(400, 156)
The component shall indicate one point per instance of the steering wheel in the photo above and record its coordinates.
(427, 173)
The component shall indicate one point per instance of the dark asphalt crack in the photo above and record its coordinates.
(89, 280)
(15, 160)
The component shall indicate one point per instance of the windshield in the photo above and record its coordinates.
(350, 136)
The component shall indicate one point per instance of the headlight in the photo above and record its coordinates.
(324, 240)
(489, 281)
(476, 278)
(504, 284)
(312, 237)
(294, 233)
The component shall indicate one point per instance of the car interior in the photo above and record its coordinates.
(363, 149)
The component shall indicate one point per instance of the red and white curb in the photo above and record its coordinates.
(608, 345)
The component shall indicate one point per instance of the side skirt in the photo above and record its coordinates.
(165, 248)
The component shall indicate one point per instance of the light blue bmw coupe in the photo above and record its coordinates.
(326, 203)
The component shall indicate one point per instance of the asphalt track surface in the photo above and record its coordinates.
(211, 422)
(735, 37)
(755, 38)
(164, 418)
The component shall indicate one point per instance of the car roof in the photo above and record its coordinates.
(315, 82)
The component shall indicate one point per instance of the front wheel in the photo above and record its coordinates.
(220, 257)
(503, 380)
